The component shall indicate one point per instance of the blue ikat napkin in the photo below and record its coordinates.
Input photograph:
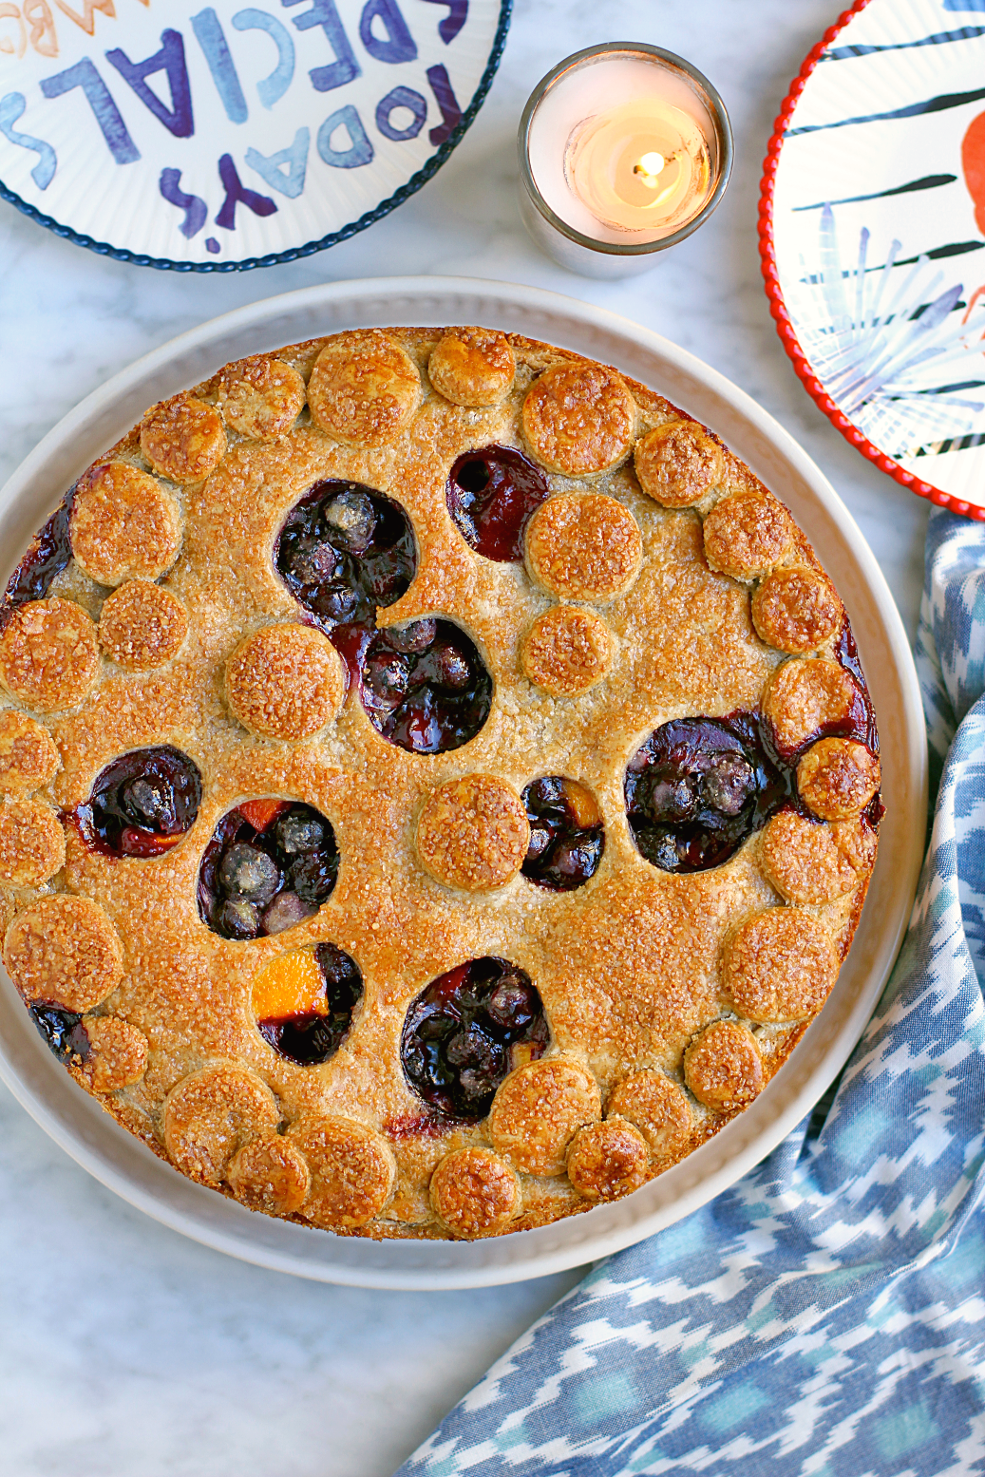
(825, 1316)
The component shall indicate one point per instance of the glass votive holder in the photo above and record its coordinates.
(625, 149)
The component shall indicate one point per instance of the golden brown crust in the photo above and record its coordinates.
(474, 1193)
(473, 367)
(285, 682)
(607, 1160)
(579, 419)
(837, 778)
(364, 388)
(723, 1067)
(538, 1110)
(269, 1174)
(142, 626)
(804, 862)
(124, 525)
(352, 1171)
(658, 1108)
(678, 463)
(747, 534)
(803, 696)
(779, 966)
(211, 1114)
(567, 651)
(183, 438)
(63, 950)
(32, 843)
(473, 833)
(260, 397)
(117, 1054)
(796, 610)
(630, 968)
(29, 757)
(49, 654)
(584, 547)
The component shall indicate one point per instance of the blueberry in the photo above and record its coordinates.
(388, 676)
(660, 848)
(415, 637)
(541, 837)
(63, 1031)
(239, 919)
(150, 803)
(672, 798)
(285, 911)
(510, 1004)
(312, 561)
(451, 669)
(313, 875)
(336, 601)
(729, 782)
(247, 872)
(351, 520)
(296, 832)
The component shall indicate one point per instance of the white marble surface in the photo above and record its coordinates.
(124, 1348)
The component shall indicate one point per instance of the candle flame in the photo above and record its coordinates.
(649, 166)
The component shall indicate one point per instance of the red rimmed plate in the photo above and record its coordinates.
(872, 235)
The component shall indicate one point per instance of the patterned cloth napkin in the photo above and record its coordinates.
(826, 1315)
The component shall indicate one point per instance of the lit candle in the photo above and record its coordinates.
(624, 150)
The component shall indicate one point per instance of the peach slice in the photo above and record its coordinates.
(290, 985)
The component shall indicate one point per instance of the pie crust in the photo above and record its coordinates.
(437, 783)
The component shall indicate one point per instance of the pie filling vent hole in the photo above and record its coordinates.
(141, 804)
(491, 496)
(343, 552)
(467, 1031)
(425, 687)
(270, 864)
(566, 833)
(698, 787)
(304, 1002)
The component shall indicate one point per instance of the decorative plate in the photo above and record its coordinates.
(872, 224)
(77, 1121)
(220, 137)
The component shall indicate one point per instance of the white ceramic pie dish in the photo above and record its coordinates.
(119, 1161)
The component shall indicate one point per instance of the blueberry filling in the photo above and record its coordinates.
(270, 864)
(425, 687)
(491, 495)
(312, 1037)
(698, 787)
(49, 554)
(467, 1031)
(142, 803)
(343, 551)
(63, 1032)
(566, 834)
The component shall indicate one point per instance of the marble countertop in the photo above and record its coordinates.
(125, 1348)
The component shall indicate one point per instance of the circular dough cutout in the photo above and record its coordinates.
(678, 463)
(124, 525)
(49, 654)
(579, 419)
(29, 757)
(285, 682)
(608, 1160)
(142, 626)
(746, 535)
(803, 861)
(723, 1067)
(537, 1111)
(658, 1108)
(837, 778)
(586, 547)
(260, 397)
(802, 697)
(474, 1193)
(211, 1114)
(65, 951)
(117, 1054)
(352, 1171)
(566, 651)
(779, 965)
(473, 367)
(473, 833)
(269, 1174)
(796, 610)
(364, 388)
(183, 439)
(32, 843)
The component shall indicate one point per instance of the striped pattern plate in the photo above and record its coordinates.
(873, 230)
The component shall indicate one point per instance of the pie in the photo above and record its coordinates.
(438, 783)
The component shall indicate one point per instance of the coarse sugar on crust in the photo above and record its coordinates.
(402, 891)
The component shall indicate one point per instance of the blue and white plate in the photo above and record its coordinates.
(214, 137)
(877, 175)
